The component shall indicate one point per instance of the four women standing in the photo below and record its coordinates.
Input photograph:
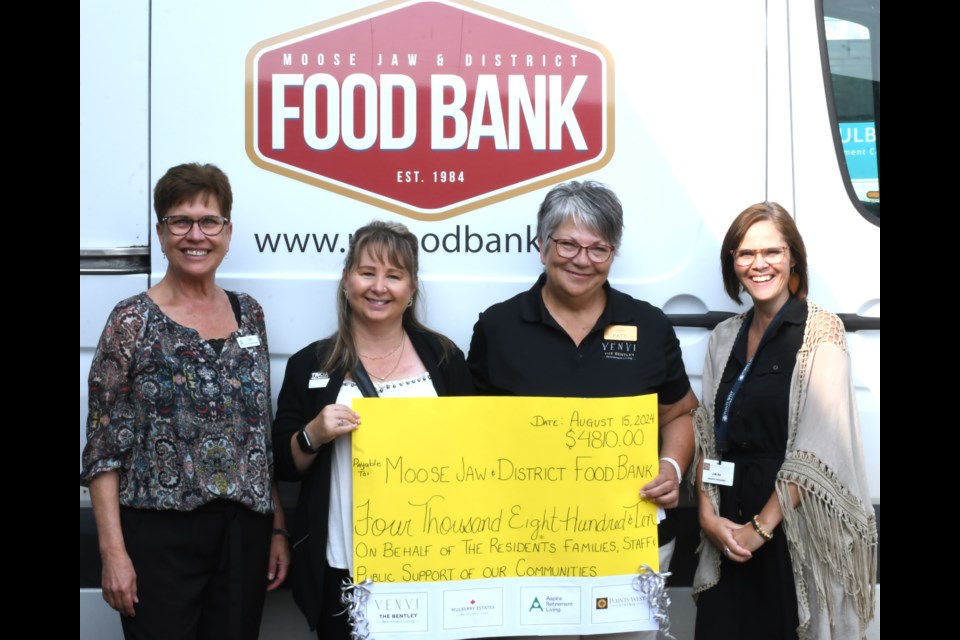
(179, 454)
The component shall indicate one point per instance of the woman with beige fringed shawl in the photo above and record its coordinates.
(789, 538)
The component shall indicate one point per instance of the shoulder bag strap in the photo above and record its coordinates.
(363, 382)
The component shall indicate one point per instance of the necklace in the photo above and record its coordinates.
(390, 373)
(386, 355)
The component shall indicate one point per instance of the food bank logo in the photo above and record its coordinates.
(429, 108)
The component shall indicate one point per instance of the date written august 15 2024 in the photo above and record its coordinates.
(596, 432)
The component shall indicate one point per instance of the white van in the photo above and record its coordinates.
(690, 111)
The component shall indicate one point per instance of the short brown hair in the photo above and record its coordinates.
(788, 229)
(185, 182)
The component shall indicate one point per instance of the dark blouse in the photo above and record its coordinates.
(758, 415)
(757, 431)
(756, 599)
(182, 424)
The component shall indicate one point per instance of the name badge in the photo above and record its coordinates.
(246, 342)
(318, 380)
(717, 472)
(620, 332)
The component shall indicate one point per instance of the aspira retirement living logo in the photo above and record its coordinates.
(429, 109)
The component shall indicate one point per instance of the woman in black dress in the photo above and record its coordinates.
(789, 538)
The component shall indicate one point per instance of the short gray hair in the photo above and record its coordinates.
(588, 204)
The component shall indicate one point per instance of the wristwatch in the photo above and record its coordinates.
(304, 441)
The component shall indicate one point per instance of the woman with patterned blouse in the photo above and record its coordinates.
(178, 456)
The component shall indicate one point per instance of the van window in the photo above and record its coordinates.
(851, 38)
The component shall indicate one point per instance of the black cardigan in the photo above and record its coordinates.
(296, 406)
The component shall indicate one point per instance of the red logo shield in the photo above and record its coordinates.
(429, 109)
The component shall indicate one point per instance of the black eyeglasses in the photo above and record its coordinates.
(597, 253)
(209, 225)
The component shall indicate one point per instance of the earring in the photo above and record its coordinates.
(793, 283)
(410, 302)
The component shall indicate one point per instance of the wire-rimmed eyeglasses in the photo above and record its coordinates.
(746, 257)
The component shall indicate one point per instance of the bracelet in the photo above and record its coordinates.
(763, 534)
(280, 531)
(676, 467)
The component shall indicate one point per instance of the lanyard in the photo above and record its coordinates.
(720, 429)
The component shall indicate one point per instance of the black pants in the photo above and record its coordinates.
(334, 624)
(200, 574)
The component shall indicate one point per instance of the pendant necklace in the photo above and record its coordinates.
(390, 373)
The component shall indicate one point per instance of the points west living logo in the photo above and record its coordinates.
(429, 108)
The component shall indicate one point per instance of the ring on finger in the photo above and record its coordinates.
(339, 422)
(726, 551)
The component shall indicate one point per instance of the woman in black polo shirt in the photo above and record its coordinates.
(573, 335)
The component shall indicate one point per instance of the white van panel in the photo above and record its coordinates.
(114, 123)
(666, 166)
(843, 248)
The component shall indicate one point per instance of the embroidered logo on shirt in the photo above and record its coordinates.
(619, 350)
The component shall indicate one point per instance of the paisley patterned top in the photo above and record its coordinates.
(181, 424)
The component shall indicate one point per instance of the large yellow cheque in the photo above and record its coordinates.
(503, 487)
